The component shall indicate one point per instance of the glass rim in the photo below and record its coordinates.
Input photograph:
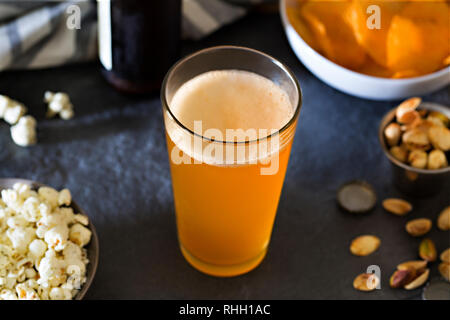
(281, 65)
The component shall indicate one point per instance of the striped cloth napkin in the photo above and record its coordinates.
(34, 34)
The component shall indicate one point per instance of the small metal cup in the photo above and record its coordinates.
(410, 180)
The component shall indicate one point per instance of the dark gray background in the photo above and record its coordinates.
(112, 156)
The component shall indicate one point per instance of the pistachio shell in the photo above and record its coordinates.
(437, 160)
(443, 221)
(435, 121)
(418, 227)
(444, 270)
(416, 139)
(418, 159)
(418, 122)
(412, 265)
(364, 245)
(427, 250)
(400, 153)
(392, 133)
(425, 125)
(445, 255)
(419, 281)
(366, 282)
(405, 112)
(397, 206)
(439, 138)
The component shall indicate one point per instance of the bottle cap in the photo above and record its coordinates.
(356, 196)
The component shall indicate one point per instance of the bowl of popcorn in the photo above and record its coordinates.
(48, 246)
(415, 137)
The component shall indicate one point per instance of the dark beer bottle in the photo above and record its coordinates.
(138, 42)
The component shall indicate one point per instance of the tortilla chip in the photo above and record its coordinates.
(332, 32)
(418, 38)
(297, 22)
(372, 40)
(405, 74)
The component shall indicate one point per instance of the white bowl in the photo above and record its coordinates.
(358, 84)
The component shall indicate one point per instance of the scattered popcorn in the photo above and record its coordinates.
(23, 128)
(14, 112)
(4, 102)
(58, 103)
(24, 132)
(41, 244)
(11, 110)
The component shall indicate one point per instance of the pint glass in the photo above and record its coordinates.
(226, 191)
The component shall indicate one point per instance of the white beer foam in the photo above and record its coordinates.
(246, 102)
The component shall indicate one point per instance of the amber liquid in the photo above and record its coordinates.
(225, 213)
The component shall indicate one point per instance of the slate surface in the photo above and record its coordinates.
(112, 156)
